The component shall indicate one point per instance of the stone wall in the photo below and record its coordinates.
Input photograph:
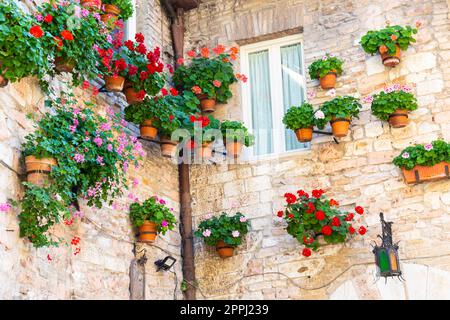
(357, 170)
(101, 269)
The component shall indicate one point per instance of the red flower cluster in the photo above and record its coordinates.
(302, 193)
(75, 241)
(36, 31)
(290, 198)
(67, 35)
(317, 193)
(204, 120)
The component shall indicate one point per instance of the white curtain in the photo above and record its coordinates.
(261, 102)
(293, 87)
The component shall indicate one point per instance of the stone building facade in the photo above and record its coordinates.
(357, 170)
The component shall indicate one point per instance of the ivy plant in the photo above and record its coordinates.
(328, 63)
(386, 39)
(425, 155)
(153, 210)
(388, 101)
(229, 229)
(341, 107)
(235, 131)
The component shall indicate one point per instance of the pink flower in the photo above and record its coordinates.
(206, 233)
(196, 90)
(217, 83)
(235, 234)
(164, 223)
(405, 155)
(78, 157)
(72, 129)
(105, 126)
(311, 95)
(39, 17)
(368, 99)
(161, 201)
(84, 13)
(4, 207)
(109, 147)
(78, 214)
(98, 141)
(331, 93)
(135, 182)
(242, 219)
(319, 114)
(100, 161)
(208, 216)
(428, 147)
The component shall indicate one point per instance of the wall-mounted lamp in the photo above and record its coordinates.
(386, 255)
(165, 264)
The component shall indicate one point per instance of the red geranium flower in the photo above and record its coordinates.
(36, 31)
(362, 230)
(67, 35)
(139, 37)
(48, 18)
(132, 70)
(335, 222)
(334, 203)
(234, 50)
(306, 252)
(196, 90)
(129, 44)
(144, 75)
(320, 215)
(191, 54)
(204, 52)
(164, 92)
(307, 240)
(326, 230)
(359, 210)
(180, 61)
(219, 49)
(141, 95)
(173, 92)
(205, 121)
(311, 207)
(49, 258)
(290, 198)
(302, 193)
(192, 118)
(59, 42)
(86, 84)
(393, 37)
(317, 193)
(280, 214)
(290, 216)
(171, 117)
(217, 83)
(349, 217)
(351, 230)
(142, 49)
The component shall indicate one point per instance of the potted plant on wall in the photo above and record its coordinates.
(235, 135)
(208, 77)
(389, 42)
(340, 112)
(204, 131)
(19, 35)
(91, 4)
(428, 162)
(116, 9)
(144, 74)
(302, 119)
(114, 69)
(310, 216)
(393, 104)
(326, 70)
(224, 232)
(151, 218)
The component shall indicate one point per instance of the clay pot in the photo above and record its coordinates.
(147, 232)
(63, 65)
(147, 129)
(328, 81)
(207, 105)
(91, 4)
(38, 170)
(304, 134)
(111, 9)
(234, 149)
(168, 147)
(3, 80)
(391, 60)
(205, 150)
(114, 83)
(109, 19)
(399, 118)
(340, 126)
(131, 95)
(422, 173)
(224, 250)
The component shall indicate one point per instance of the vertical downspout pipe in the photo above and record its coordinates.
(186, 232)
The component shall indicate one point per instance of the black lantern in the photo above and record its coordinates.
(386, 255)
(165, 264)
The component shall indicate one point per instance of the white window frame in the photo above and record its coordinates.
(131, 24)
(276, 84)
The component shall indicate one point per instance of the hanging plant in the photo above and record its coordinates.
(122, 9)
(340, 112)
(92, 157)
(209, 77)
(24, 47)
(308, 217)
(224, 232)
(151, 218)
(235, 135)
(427, 162)
(388, 42)
(393, 104)
(302, 120)
(326, 70)
(75, 34)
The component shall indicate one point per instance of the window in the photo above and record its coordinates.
(276, 82)
(130, 24)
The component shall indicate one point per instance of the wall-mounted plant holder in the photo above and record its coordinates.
(327, 133)
(420, 174)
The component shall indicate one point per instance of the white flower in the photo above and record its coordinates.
(242, 219)
(331, 93)
(319, 114)
(235, 234)
(206, 233)
(428, 147)
(405, 155)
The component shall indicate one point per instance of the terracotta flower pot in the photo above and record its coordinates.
(422, 173)
(399, 118)
(205, 150)
(63, 65)
(131, 95)
(207, 105)
(168, 147)
(147, 232)
(234, 149)
(391, 60)
(91, 4)
(109, 19)
(147, 129)
(111, 9)
(114, 83)
(38, 170)
(329, 80)
(304, 134)
(3, 81)
(340, 126)
(224, 250)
